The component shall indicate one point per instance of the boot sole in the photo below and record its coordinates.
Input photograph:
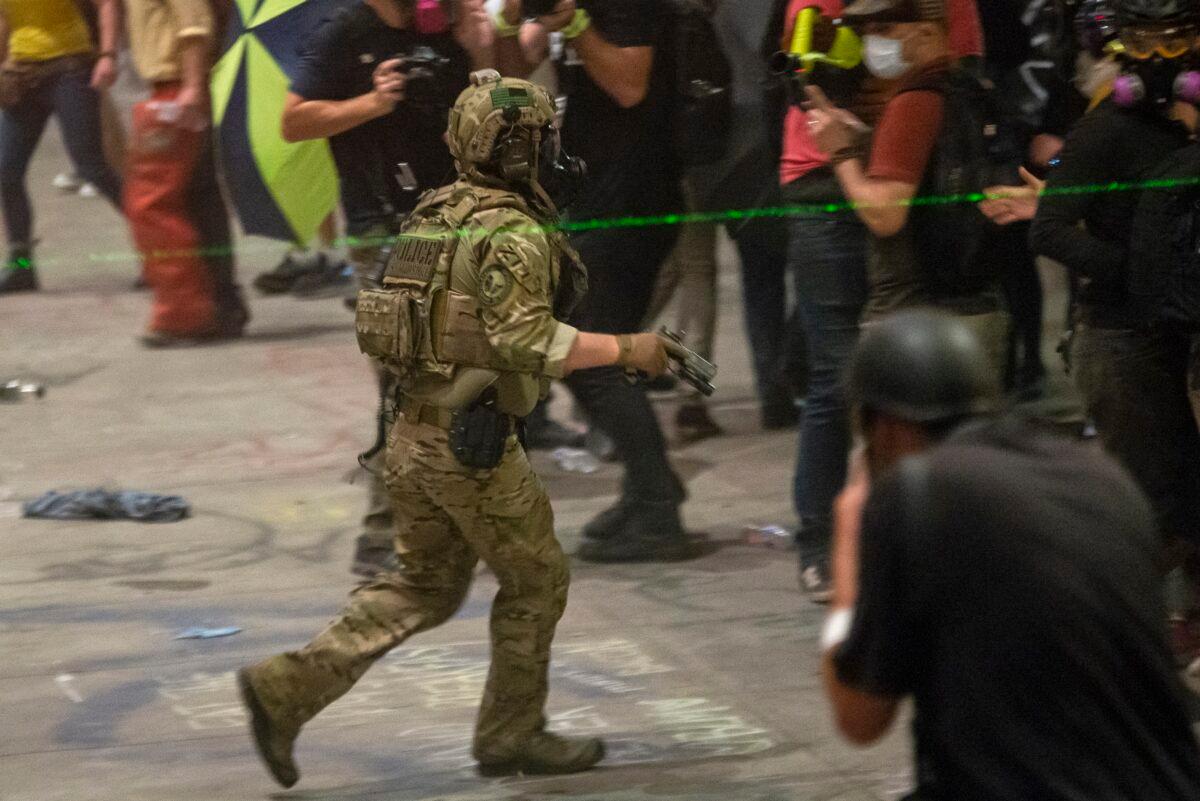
(524, 768)
(260, 727)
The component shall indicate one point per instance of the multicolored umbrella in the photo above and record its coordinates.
(281, 189)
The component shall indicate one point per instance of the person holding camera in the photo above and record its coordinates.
(1005, 578)
(616, 75)
(377, 81)
(464, 489)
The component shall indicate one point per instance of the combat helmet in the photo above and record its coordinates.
(500, 124)
(924, 367)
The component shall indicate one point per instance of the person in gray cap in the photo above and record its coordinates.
(1003, 577)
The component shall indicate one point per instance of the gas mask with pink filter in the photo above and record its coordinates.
(1159, 67)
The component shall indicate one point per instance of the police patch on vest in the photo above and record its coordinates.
(494, 286)
(414, 258)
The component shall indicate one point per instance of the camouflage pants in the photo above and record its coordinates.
(447, 517)
(377, 522)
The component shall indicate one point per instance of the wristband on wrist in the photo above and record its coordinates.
(106, 54)
(578, 24)
(504, 29)
(624, 348)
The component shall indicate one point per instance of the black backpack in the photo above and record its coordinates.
(702, 114)
(1164, 249)
(949, 232)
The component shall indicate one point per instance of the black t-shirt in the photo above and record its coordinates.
(1108, 145)
(1008, 583)
(628, 152)
(338, 65)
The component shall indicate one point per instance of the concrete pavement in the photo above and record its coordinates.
(702, 676)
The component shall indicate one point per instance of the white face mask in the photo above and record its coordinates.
(884, 56)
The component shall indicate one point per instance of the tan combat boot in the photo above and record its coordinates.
(273, 741)
(542, 753)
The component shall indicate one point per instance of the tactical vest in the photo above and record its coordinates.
(415, 323)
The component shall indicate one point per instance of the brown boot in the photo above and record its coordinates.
(274, 744)
(542, 754)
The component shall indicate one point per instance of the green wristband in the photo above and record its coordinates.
(503, 29)
(578, 24)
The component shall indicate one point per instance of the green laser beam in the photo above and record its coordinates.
(673, 218)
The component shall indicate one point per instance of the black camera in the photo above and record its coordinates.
(427, 78)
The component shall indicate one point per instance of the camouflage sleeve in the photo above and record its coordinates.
(515, 298)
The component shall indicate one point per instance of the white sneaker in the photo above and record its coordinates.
(66, 182)
(89, 190)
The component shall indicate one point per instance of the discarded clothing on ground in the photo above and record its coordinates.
(108, 505)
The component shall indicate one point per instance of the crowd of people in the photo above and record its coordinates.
(925, 153)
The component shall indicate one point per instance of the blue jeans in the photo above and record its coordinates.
(69, 97)
(827, 255)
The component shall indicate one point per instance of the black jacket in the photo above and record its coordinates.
(1107, 150)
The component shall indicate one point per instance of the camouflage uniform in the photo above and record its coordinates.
(506, 269)
(377, 522)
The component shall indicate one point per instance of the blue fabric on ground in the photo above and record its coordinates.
(108, 505)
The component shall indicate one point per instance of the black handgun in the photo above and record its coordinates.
(687, 364)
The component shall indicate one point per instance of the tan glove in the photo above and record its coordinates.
(644, 353)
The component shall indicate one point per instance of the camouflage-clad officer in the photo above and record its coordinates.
(469, 318)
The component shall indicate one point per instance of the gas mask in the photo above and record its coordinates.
(560, 175)
(1155, 68)
(884, 56)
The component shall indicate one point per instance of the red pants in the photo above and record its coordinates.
(178, 220)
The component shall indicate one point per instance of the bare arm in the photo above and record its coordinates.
(108, 14)
(881, 204)
(622, 72)
(520, 54)
(108, 17)
(861, 717)
(318, 119)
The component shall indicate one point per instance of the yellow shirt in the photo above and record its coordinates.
(156, 27)
(40, 30)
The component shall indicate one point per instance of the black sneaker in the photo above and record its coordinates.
(333, 281)
(288, 272)
(20, 274)
(815, 579)
(651, 532)
(608, 522)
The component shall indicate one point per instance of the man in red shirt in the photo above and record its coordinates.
(905, 41)
(828, 261)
